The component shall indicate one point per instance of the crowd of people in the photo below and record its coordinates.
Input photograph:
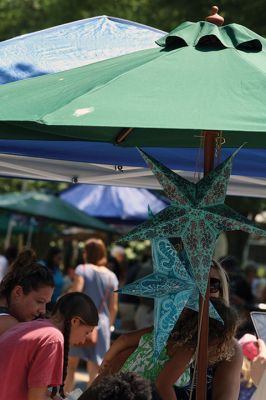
(46, 328)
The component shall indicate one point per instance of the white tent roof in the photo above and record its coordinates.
(69, 171)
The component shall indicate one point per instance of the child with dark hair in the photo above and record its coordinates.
(120, 386)
(24, 291)
(34, 354)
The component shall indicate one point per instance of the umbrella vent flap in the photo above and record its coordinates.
(205, 34)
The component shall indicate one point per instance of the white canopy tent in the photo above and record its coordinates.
(80, 172)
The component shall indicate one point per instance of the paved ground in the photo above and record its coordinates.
(81, 379)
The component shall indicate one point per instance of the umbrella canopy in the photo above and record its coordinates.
(114, 204)
(50, 207)
(72, 45)
(201, 78)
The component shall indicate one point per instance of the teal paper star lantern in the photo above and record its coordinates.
(172, 288)
(197, 214)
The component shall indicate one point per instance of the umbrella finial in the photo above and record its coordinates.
(215, 18)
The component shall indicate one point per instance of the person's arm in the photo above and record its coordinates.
(113, 366)
(78, 284)
(258, 365)
(172, 370)
(226, 381)
(129, 340)
(113, 307)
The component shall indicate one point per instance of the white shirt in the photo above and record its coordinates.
(3, 267)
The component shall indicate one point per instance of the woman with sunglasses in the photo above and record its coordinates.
(223, 378)
(34, 354)
(24, 291)
(219, 286)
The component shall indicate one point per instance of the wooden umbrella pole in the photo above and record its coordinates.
(202, 356)
(202, 360)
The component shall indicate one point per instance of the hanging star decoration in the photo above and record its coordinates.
(197, 214)
(172, 288)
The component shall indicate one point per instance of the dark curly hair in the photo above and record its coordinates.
(27, 273)
(185, 331)
(120, 386)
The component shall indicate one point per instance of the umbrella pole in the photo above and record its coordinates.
(11, 224)
(202, 358)
(209, 153)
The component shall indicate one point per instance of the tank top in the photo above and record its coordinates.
(141, 361)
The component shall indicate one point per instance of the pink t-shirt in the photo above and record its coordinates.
(31, 356)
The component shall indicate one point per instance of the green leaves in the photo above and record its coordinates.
(21, 16)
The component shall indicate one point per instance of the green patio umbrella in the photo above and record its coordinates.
(23, 225)
(13, 224)
(201, 77)
(50, 207)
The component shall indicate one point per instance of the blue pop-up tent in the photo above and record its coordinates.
(114, 204)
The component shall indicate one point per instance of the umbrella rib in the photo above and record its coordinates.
(123, 134)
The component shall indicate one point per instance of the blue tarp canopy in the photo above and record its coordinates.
(114, 204)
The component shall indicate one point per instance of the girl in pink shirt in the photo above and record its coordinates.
(34, 354)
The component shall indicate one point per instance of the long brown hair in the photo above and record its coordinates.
(221, 334)
(95, 252)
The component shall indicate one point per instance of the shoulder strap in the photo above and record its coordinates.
(4, 311)
(105, 296)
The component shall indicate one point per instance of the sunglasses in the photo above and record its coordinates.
(215, 285)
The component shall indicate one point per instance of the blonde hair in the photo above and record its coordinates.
(245, 373)
(221, 334)
(224, 281)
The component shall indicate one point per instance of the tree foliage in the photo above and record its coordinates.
(8, 185)
(22, 16)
